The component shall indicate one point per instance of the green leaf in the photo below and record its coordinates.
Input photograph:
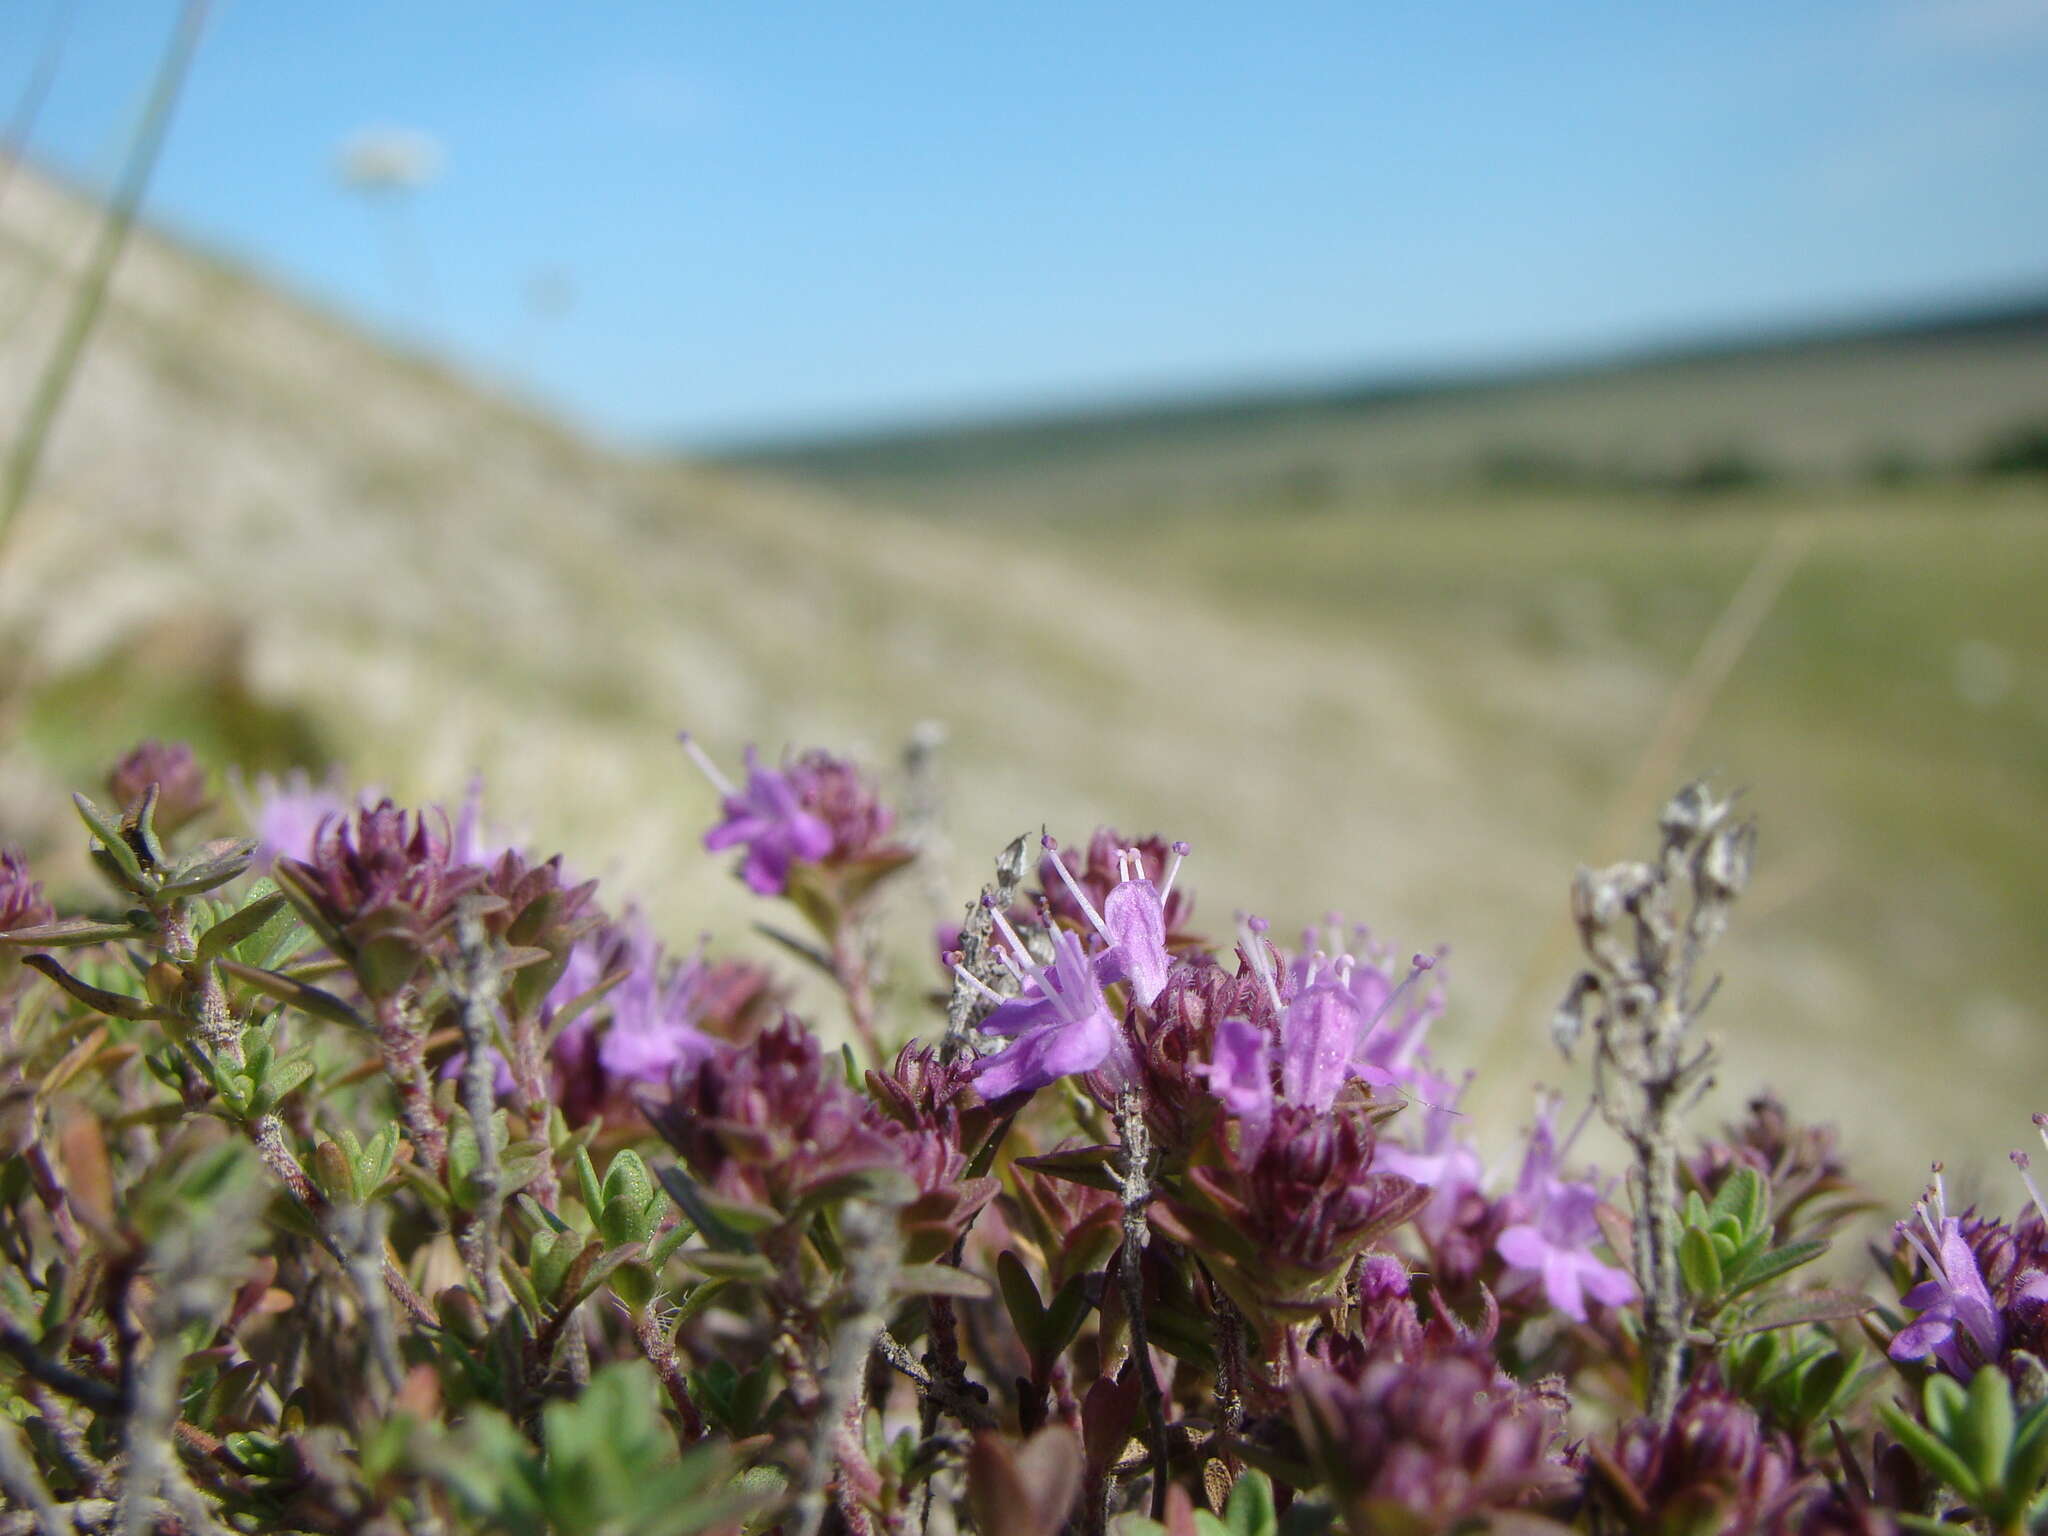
(587, 1184)
(1250, 1511)
(107, 829)
(68, 933)
(1065, 1314)
(1699, 1262)
(939, 1280)
(1984, 1431)
(803, 949)
(208, 866)
(1743, 1196)
(730, 1268)
(373, 1166)
(629, 1208)
(1945, 1402)
(727, 1225)
(1924, 1447)
(663, 1248)
(307, 999)
(232, 930)
(114, 1004)
(2028, 1463)
(1766, 1267)
(1093, 1166)
(541, 1217)
(634, 1284)
(282, 1078)
(1020, 1296)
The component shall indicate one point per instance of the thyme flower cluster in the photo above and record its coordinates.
(362, 1169)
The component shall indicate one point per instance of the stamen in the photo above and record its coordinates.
(1584, 1116)
(1010, 935)
(1253, 934)
(1925, 1207)
(962, 973)
(1417, 967)
(1934, 1269)
(707, 767)
(1181, 851)
(1052, 851)
(2025, 1164)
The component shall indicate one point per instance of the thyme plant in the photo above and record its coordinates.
(360, 1172)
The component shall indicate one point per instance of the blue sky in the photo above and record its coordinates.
(776, 218)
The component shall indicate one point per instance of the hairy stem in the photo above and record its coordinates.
(404, 1045)
(1137, 1194)
(659, 1346)
(475, 980)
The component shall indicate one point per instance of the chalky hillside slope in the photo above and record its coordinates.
(264, 530)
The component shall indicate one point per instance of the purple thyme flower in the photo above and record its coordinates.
(1715, 1462)
(21, 895)
(655, 1011)
(1325, 1028)
(839, 795)
(1440, 1158)
(1240, 1074)
(470, 841)
(1132, 922)
(1958, 1323)
(285, 815)
(1552, 1241)
(1060, 1025)
(380, 888)
(1104, 863)
(1432, 1442)
(767, 817)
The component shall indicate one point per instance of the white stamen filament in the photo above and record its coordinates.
(1420, 967)
(707, 767)
(1181, 851)
(2025, 1165)
(1934, 1268)
(1584, 1116)
(1079, 895)
(978, 984)
(1927, 1216)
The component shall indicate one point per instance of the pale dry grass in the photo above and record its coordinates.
(441, 580)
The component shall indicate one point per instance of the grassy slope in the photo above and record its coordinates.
(1890, 717)
(1835, 407)
(1413, 707)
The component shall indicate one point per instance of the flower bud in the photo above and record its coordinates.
(21, 896)
(179, 780)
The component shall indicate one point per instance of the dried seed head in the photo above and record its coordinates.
(1724, 864)
(1692, 814)
(1581, 1004)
